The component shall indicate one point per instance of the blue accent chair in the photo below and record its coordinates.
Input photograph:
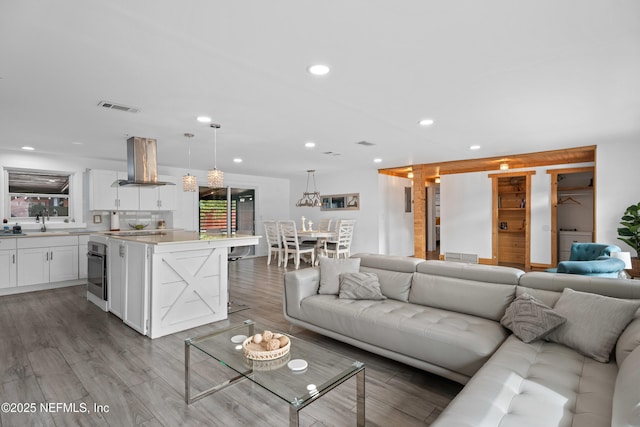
(591, 259)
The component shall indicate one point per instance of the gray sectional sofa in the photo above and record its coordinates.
(445, 318)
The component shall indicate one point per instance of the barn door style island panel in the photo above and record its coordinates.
(162, 282)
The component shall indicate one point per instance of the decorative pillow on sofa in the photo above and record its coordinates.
(530, 319)
(330, 270)
(360, 286)
(594, 322)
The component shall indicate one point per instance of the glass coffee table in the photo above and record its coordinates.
(287, 377)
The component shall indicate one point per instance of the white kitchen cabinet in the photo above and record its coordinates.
(159, 198)
(46, 260)
(83, 248)
(116, 275)
(136, 305)
(105, 196)
(8, 267)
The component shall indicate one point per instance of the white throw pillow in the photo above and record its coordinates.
(594, 322)
(330, 270)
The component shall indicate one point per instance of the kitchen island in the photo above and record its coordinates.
(162, 282)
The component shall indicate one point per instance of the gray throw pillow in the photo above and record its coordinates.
(330, 270)
(594, 322)
(360, 286)
(530, 319)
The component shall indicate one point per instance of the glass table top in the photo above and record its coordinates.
(325, 369)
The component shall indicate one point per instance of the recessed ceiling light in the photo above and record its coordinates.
(377, 160)
(426, 122)
(203, 119)
(237, 160)
(474, 147)
(319, 69)
(77, 143)
(310, 144)
(27, 148)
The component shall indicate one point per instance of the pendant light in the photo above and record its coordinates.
(189, 182)
(215, 178)
(310, 199)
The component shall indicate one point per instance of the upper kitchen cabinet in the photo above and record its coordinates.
(106, 195)
(159, 198)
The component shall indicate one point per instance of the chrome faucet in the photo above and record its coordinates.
(42, 214)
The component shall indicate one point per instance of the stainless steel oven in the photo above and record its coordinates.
(97, 270)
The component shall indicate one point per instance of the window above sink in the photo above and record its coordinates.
(36, 193)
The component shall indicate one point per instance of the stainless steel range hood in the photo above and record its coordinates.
(142, 163)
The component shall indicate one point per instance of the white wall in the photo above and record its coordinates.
(465, 214)
(394, 224)
(617, 178)
(365, 182)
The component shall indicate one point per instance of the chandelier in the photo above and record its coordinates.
(189, 182)
(215, 177)
(310, 199)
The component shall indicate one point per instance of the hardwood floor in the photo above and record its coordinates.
(57, 348)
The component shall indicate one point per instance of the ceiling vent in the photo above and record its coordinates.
(120, 107)
(331, 153)
(365, 143)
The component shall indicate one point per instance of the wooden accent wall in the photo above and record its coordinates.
(419, 213)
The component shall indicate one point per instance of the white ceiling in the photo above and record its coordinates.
(512, 76)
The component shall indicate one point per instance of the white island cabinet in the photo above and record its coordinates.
(171, 281)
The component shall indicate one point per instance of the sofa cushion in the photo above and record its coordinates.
(629, 340)
(394, 273)
(533, 385)
(330, 269)
(360, 286)
(488, 300)
(458, 342)
(530, 319)
(594, 322)
(626, 397)
(474, 272)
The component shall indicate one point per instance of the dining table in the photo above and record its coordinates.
(319, 236)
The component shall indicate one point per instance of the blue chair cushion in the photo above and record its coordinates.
(591, 251)
(603, 267)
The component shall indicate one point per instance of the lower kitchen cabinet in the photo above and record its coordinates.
(128, 289)
(47, 259)
(83, 248)
(8, 269)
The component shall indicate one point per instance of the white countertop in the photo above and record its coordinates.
(157, 237)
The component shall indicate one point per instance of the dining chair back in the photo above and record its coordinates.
(324, 224)
(342, 245)
(291, 245)
(274, 242)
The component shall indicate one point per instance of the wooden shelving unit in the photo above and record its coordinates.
(511, 219)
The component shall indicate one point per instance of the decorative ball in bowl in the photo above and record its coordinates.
(266, 346)
(138, 226)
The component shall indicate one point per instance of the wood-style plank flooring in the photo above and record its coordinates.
(57, 348)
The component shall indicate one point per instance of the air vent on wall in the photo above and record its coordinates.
(365, 143)
(120, 107)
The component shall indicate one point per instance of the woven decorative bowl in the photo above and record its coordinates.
(255, 351)
(267, 365)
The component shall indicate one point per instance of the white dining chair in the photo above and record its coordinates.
(292, 246)
(324, 224)
(274, 242)
(342, 244)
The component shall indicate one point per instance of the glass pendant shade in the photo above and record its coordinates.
(310, 199)
(215, 178)
(189, 183)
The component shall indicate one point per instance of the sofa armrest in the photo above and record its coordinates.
(299, 285)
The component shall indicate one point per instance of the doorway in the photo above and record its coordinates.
(572, 210)
(227, 210)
